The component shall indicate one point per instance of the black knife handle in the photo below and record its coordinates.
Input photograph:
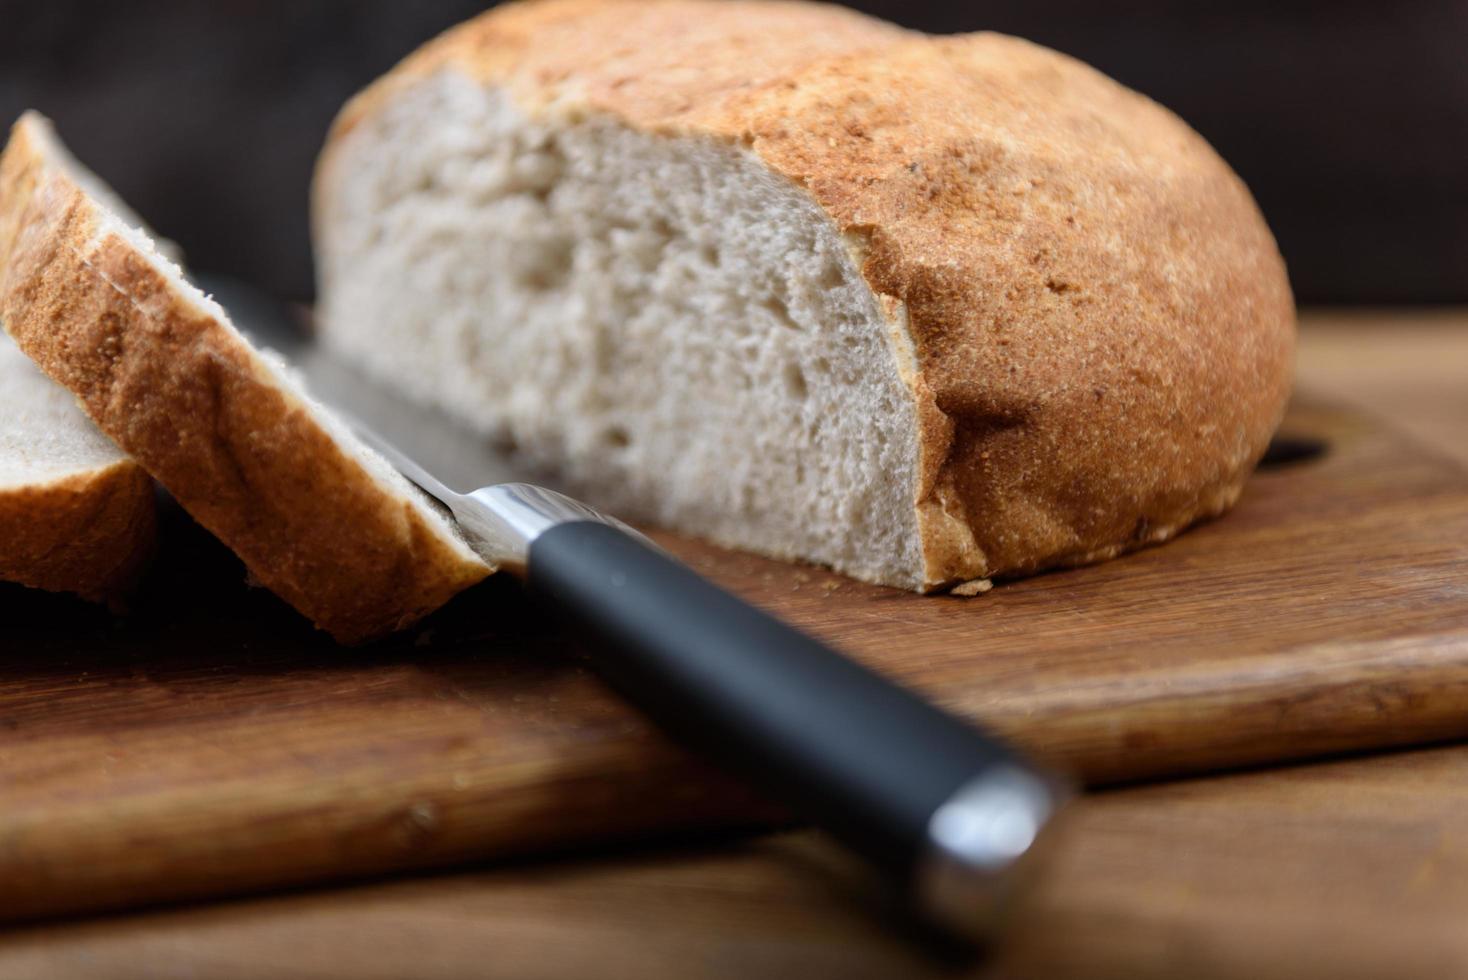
(950, 811)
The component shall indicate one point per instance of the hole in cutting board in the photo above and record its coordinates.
(1292, 450)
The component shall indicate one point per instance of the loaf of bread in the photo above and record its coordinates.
(922, 309)
(316, 516)
(76, 515)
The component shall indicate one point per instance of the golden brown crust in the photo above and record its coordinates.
(90, 533)
(190, 400)
(652, 61)
(1102, 322)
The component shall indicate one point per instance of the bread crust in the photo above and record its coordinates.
(188, 399)
(1102, 323)
(90, 532)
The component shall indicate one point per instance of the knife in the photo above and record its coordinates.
(954, 816)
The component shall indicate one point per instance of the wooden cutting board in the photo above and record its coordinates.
(211, 743)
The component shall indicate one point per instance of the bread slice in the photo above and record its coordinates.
(922, 309)
(316, 516)
(76, 515)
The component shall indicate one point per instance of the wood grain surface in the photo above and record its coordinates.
(210, 743)
(1408, 366)
(1354, 869)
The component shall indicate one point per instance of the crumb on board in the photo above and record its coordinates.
(972, 587)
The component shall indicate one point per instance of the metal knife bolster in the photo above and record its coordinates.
(504, 520)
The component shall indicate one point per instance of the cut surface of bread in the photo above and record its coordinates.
(925, 310)
(642, 345)
(315, 515)
(76, 515)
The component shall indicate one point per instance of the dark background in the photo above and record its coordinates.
(1349, 120)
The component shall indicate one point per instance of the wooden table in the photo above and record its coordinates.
(1348, 868)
